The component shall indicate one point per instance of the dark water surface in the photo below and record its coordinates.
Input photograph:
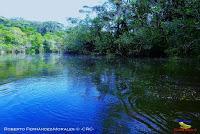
(110, 95)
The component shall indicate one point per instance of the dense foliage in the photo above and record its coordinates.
(140, 28)
(153, 28)
(20, 36)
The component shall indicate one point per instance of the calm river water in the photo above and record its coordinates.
(97, 94)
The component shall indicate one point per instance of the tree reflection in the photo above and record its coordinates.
(150, 92)
(13, 67)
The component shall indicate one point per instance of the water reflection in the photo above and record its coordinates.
(130, 95)
(153, 93)
(13, 67)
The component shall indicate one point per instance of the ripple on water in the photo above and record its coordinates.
(7, 90)
(8, 94)
(53, 100)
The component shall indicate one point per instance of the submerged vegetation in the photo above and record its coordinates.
(141, 28)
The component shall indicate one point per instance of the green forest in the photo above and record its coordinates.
(128, 28)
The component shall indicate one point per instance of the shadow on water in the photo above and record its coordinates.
(151, 94)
